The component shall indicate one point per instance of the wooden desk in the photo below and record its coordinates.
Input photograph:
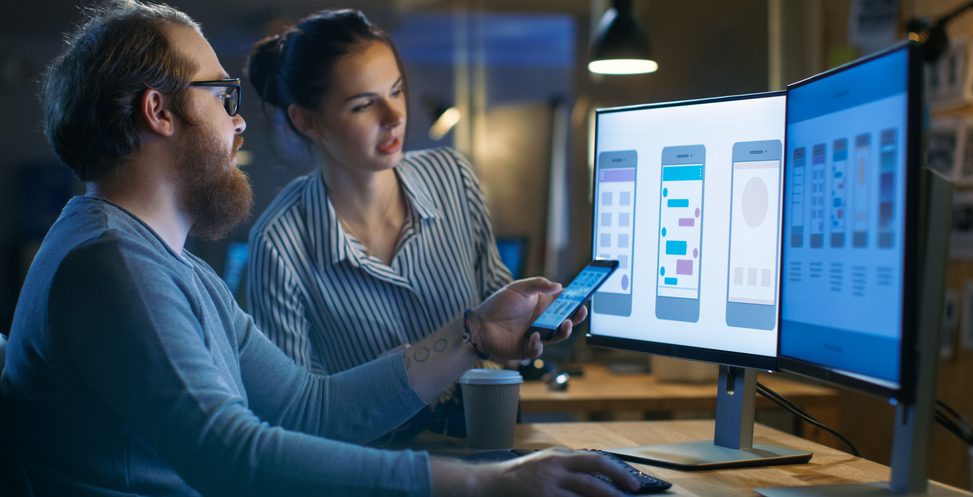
(828, 466)
(600, 393)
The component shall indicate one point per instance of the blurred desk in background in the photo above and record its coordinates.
(603, 395)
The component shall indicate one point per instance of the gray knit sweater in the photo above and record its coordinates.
(132, 371)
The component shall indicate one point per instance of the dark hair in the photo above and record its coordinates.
(295, 67)
(90, 92)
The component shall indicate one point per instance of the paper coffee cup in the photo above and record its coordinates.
(490, 398)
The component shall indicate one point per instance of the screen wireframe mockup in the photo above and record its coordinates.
(688, 199)
(843, 268)
(615, 218)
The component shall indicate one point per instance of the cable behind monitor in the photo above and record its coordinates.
(787, 405)
(955, 422)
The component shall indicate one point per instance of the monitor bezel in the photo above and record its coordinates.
(729, 358)
(909, 318)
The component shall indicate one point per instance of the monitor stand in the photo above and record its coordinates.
(732, 445)
(913, 419)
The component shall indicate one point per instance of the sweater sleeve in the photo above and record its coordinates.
(127, 328)
(356, 405)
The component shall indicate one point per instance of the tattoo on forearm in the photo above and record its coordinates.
(421, 354)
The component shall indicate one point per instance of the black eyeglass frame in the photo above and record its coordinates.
(233, 83)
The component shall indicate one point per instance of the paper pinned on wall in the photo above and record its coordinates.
(949, 148)
(961, 240)
(943, 145)
(873, 24)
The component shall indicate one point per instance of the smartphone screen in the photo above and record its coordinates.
(680, 233)
(615, 228)
(751, 291)
(575, 294)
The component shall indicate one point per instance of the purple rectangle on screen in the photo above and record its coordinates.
(684, 266)
(620, 174)
(687, 221)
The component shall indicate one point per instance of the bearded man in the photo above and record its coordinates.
(132, 371)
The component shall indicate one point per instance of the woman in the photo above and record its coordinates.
(377, 247)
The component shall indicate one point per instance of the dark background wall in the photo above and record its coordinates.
(704, 47)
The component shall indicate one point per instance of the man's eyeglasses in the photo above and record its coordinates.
(231, 98)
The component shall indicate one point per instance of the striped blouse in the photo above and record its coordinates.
(315, 291)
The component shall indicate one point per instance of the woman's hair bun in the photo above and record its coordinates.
(262, 69)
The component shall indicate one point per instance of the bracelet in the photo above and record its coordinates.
(468, 335)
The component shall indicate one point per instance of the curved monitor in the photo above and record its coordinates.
(848, 294)
(687, 199)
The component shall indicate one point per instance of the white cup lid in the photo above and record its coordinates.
(491, 377)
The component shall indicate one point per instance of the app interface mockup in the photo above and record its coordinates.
(841, 298)
(680, 211)
(615, 218)
(754, 231)
(572, 296)
(692, 280)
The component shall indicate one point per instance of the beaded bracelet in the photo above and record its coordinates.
(468, 335)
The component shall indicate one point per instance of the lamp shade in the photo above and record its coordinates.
(443, 116)
(444, 120)
(621, 46)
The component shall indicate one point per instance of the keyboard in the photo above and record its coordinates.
(648, 484)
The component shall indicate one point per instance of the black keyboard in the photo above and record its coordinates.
(647, 484)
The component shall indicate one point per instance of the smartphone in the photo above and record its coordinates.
(615, 228)
(680, 233)
(751, 287)
(573, 296)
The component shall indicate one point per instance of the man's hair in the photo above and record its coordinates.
(90, 93)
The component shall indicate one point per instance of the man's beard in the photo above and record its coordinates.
(216, 193)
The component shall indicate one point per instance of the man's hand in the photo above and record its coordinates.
(551, 472)
(501, 321)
